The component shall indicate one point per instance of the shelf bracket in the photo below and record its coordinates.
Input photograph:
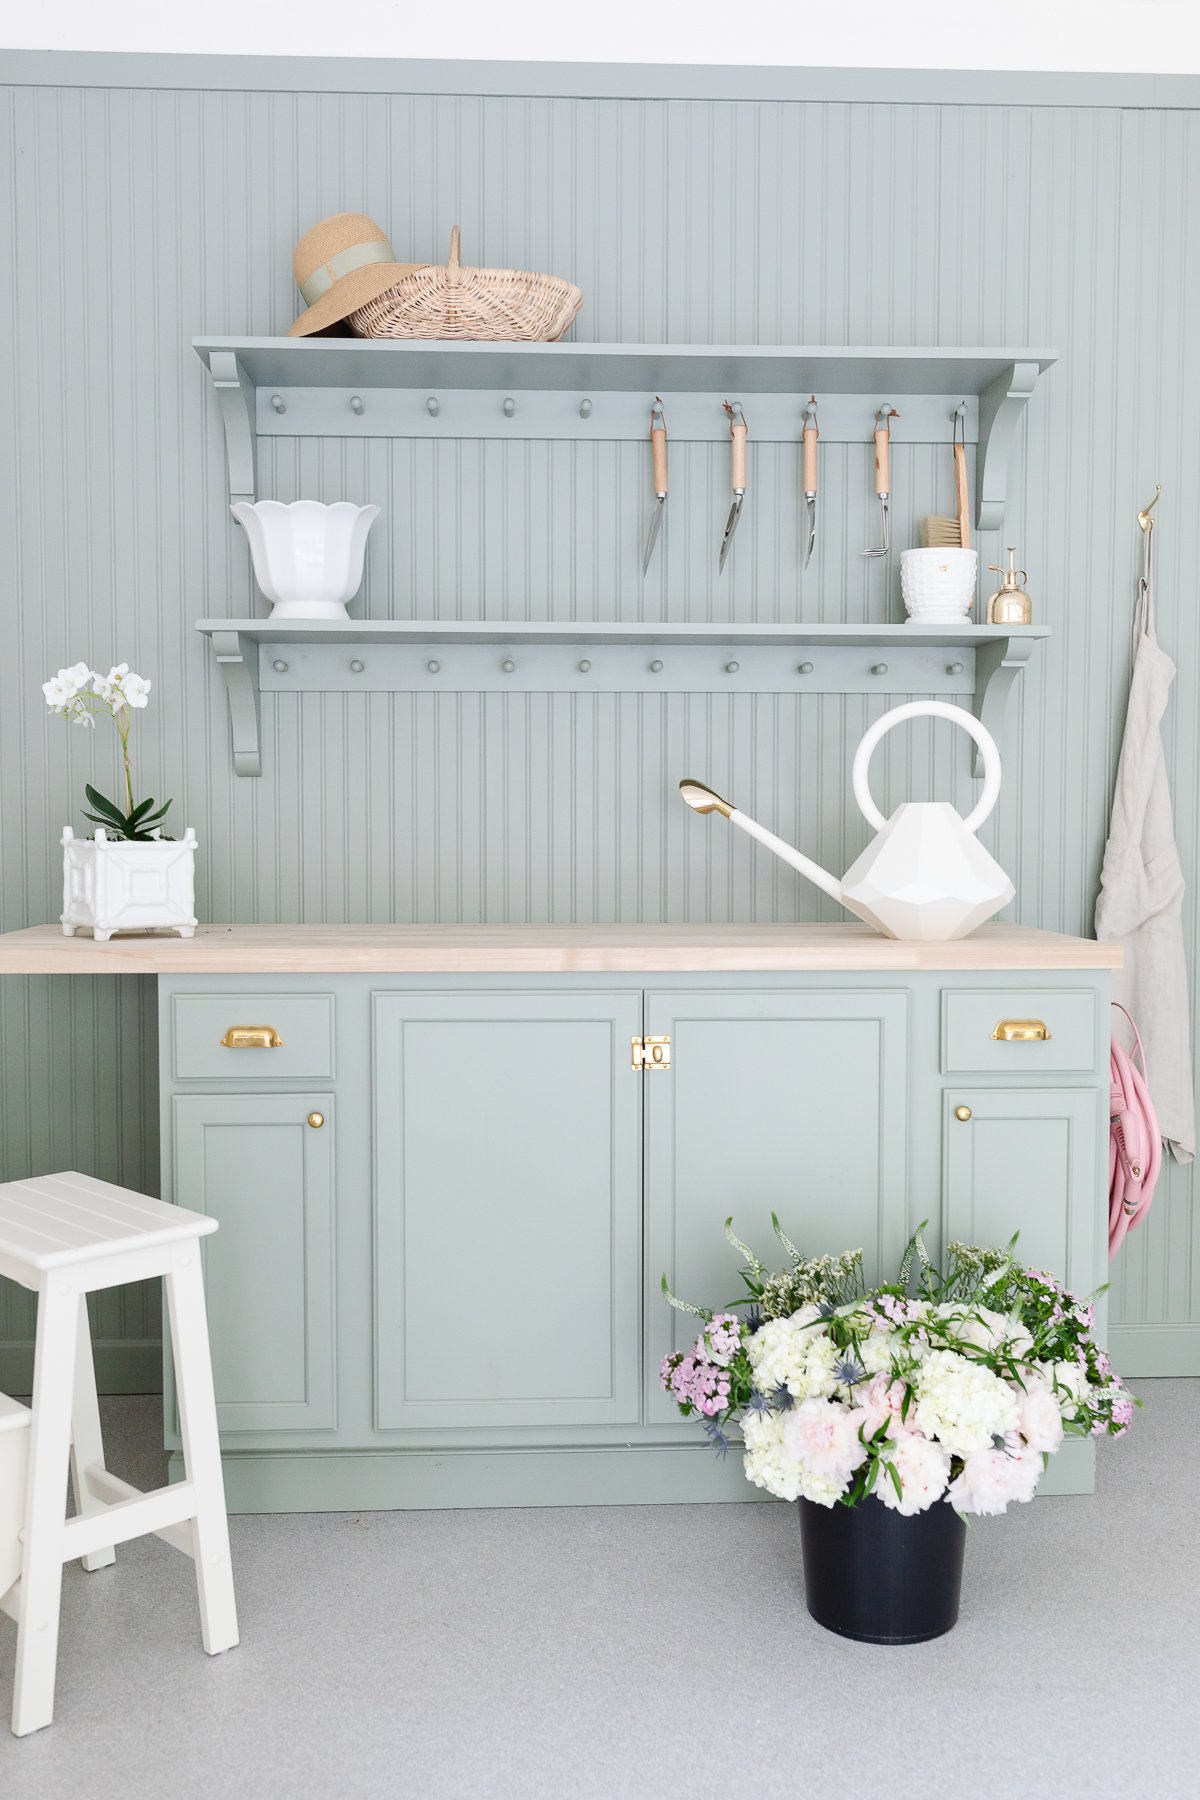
(997, 666)
(237, 659)
(236, 398)
(1000, 406)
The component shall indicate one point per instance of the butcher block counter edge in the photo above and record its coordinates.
(537, 949)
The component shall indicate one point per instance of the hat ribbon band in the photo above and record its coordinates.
(358, 256)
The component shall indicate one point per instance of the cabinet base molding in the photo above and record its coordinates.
(416, 1480)
(1151, 1350)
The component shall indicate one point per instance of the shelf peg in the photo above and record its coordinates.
(731, 668)
(656, 667)
(279, 403)
(954, 668)
(584, 666)
(433, 406)
(433, 666)
(879, 668)
(356, 667)
(585, 409)
(356, 405)
(279, 666)
(508, 665)
(510, 407)
(805, 669)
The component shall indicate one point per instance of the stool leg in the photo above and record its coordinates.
(87, 1442)
(45, 1507)
(201, 1447)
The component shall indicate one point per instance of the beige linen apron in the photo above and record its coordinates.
(1141, 892)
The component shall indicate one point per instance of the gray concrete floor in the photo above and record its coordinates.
(638, 1652)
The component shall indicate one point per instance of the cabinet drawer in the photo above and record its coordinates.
(971, 1017)
(303, 1024)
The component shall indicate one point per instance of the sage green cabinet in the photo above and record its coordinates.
(255, 1163)
(1024, 1159)
(794, 1103)
(508, 1149)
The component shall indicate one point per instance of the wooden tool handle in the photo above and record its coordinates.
(962, 499)
(809, 459)
(738, 434)
(658, 446)
(883, 460)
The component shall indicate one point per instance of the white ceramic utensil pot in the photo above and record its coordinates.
(308, 557)
(938, 584)
(110, 885)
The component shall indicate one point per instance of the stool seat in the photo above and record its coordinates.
(65, 1236)
(53, 1221)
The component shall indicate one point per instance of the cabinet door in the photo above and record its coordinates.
(254, 1162)
(508, 1209)
(793, 1103)
(1025, 1160)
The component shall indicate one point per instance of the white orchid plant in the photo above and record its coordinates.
(960, 1392)
(83, 695)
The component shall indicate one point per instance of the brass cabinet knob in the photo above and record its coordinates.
(316, 1120)
(252, 1037)
(963, 1113)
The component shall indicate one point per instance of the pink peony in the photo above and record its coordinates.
(824, 1437)
(877, 1400)
(1039, 1420)
(992, 1478)
(923, 1468)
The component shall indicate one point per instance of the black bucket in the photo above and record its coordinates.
(872, 1574)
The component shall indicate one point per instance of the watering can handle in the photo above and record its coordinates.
(928, 709)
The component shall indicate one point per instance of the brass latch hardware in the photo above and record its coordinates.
(649, 1053)
(1020, 1031)
(252, 1037)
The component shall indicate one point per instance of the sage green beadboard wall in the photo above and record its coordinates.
(149, 200)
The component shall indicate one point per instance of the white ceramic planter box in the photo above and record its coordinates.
(110, 885)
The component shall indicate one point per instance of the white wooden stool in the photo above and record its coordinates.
(65, 1236)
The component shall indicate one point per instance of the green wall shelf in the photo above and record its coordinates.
(976, 665)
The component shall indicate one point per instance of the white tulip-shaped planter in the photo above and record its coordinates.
(925, 876)
(112, 885)
(308, 557)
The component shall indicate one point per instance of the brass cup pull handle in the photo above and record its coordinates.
(1020, 1031)
(252, 1037)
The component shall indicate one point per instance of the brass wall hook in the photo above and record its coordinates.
(1144, 519)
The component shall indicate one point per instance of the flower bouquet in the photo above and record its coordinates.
(937, 1403)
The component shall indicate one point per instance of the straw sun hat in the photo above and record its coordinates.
(341, 264)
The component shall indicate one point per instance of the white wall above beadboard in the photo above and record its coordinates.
(1110, 36)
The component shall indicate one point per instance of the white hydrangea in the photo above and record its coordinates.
(961, 1403)
(798, 1358)
(876, 1352)
(765, 1462)
(983, 1327)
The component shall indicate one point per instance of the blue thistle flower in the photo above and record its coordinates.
(717, 1439)
(781, 1400)
(848, 1369)
(754, 1320)
(758, 1403)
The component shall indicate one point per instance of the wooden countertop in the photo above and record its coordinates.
(544, 949)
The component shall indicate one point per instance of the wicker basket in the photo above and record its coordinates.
(458, 302)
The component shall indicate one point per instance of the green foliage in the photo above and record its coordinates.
(134, 827)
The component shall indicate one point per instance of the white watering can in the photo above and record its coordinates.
(926, 875)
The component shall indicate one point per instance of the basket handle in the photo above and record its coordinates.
(455, 247)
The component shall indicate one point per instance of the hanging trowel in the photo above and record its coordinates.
(737, 432)
(883, 474)
(658, 448)
(809, 473)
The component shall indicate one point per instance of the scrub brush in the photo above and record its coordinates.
(953, 534)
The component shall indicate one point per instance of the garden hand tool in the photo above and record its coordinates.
(926, 875)
(658, 449)
(809, 473)
(737, 432)
(939, 533)
(883, 472)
